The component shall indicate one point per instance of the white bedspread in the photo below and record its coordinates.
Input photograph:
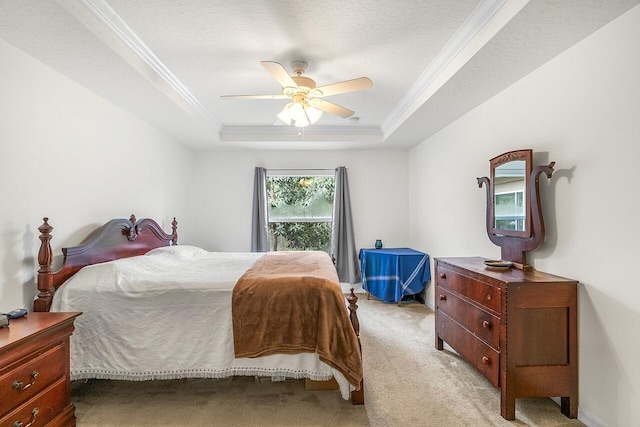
(167, 315)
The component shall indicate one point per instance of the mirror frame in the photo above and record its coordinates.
(525, 155)
(514, 248)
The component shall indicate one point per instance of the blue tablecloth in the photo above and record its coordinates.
(392, 273)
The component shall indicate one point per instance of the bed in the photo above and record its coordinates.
(155, 310)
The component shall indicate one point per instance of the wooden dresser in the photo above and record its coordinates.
(34, 371)
(518, 328)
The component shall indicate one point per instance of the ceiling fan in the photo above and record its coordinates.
(308, 101)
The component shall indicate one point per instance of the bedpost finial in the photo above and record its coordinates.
(353, 308)
(45, 228)
(174, 229)
(44, 279)
(45, 256)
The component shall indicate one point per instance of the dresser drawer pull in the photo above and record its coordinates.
(443, 297)
(33, 419)
(486, 360)
(443, 276)
(19, 385)
(486, 324)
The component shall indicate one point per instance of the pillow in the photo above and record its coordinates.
(178, 252)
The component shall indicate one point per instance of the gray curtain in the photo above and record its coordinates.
(260, 220)
(343, 245)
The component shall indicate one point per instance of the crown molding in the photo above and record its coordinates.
(143, 60)
(291, 133)
(472, 35)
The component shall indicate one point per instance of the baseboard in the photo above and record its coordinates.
(589, 420)
(584, 417)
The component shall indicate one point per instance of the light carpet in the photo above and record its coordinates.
(407, 383)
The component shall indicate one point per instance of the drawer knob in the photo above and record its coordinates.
(486, 324)
(443, 297)
(443, 276)
(486, 360)
(19, 385)
(33, 419)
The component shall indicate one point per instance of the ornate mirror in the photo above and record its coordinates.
(510, 203)
(513, 215)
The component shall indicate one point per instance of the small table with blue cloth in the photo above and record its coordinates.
(393, 273)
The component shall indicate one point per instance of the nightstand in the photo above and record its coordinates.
(34, 371)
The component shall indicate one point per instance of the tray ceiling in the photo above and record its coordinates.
(169, 61)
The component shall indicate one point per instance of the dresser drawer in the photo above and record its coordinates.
(474, 289)
(477, 321)
(41, 408)
(482, 357)
(29, 376)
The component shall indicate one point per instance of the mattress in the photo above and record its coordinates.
(167, 315)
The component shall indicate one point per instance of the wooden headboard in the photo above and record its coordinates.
(118, 238)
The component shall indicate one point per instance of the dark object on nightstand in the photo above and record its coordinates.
(18, 312)
(4, 320)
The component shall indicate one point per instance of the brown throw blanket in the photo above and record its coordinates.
(291, 302)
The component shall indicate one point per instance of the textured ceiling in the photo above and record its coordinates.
(169, 61)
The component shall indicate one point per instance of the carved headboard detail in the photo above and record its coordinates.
(118, 238)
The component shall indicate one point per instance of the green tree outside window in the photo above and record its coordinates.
(300, 210)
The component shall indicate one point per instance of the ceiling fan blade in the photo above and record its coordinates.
(329, 107)
(279, 96)
(346, 86)
(279, 73)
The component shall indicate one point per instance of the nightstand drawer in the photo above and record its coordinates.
(477, 291)
(481, 356)
(41, 408)
(30, 376)
(479, 322)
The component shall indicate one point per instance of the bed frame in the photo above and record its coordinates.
(123, 238)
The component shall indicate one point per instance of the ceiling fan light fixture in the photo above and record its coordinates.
(307, 99)
(300, 114)
(312, 114)
(286, 115)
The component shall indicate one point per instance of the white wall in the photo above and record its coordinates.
(582, 110)
(377, 184)
(70, 155)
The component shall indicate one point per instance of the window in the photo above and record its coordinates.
(509, 210)
(300, 210)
